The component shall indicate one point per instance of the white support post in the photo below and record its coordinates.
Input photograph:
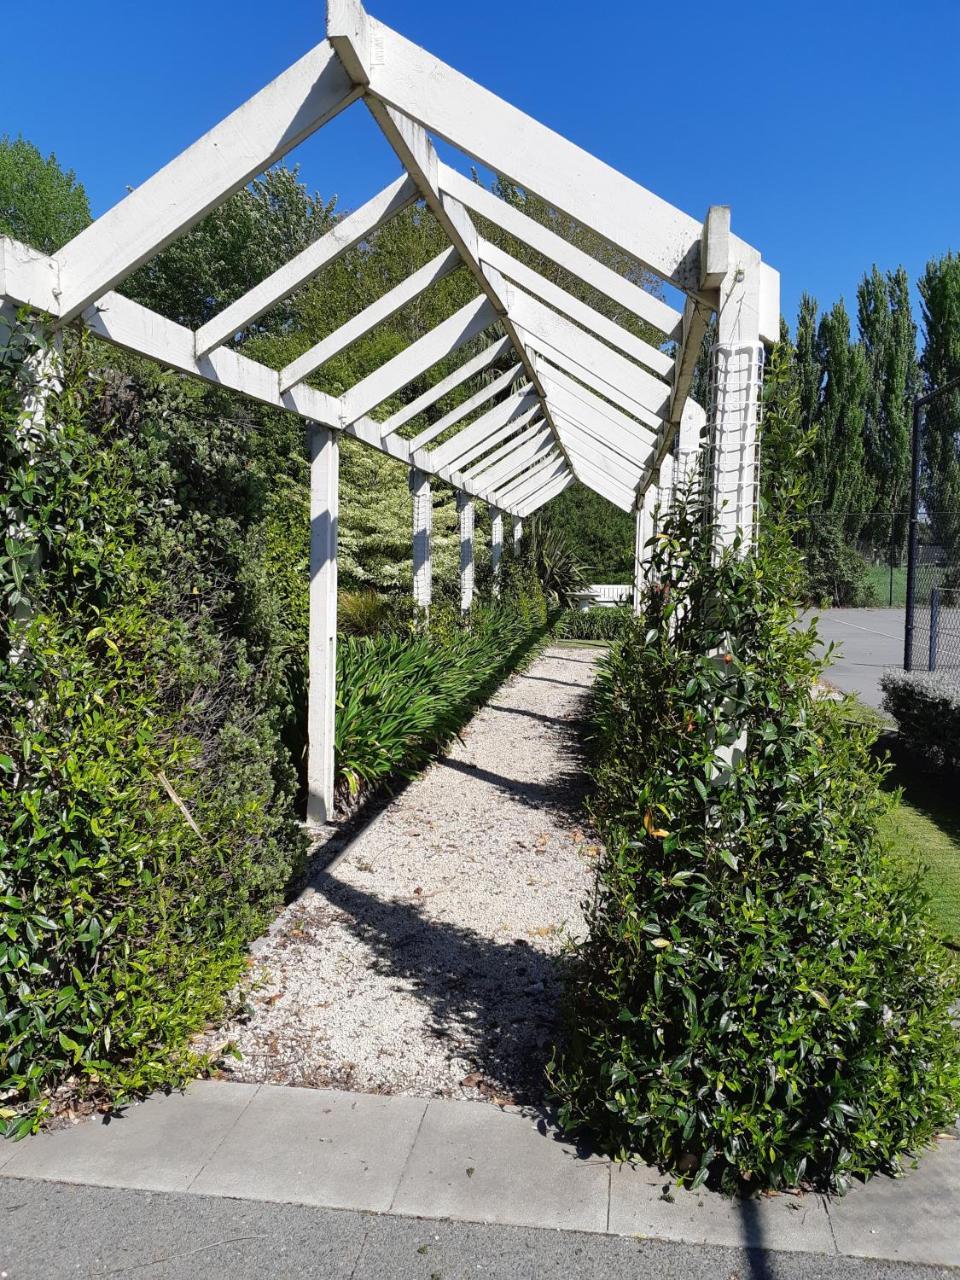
(422, 539)
(466, 511)
(644, 532)
(517, 533)
(324, 503)
(496, 547)
(736, 365)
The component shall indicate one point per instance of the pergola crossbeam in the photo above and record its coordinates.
(467, 407)
(469, 369)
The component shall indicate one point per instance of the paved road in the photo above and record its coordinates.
(870, 641)
(52, 1231)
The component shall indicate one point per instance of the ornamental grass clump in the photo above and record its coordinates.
(759, 1000)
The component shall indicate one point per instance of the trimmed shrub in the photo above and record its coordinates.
(759, 999)
(926, 707)
(146, 808)
(595, 624)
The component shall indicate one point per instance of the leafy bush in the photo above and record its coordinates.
(367, 613)
(146, 823)
(837, 573)
(548, 553)
(760, 998)
(926, 707)
(401, 697)
(595, 623)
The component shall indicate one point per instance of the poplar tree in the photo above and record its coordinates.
(840, 474)
(939, 363)
(888, 336)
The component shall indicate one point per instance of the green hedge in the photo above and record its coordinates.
(595, 623)
(147, 826)
(760, 999)
(926, 707)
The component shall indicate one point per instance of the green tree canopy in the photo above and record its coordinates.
(41, 204)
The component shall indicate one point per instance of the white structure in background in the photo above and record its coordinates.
(573, 395)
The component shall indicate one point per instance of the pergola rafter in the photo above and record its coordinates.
(556, 385)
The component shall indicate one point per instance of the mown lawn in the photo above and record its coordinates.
(925, 829)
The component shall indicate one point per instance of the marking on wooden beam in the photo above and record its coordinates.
(250, 140)
(280, 284)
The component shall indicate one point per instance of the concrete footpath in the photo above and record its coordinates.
(870, 641)
(425, 1159)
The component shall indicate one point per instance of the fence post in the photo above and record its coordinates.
(934, 627)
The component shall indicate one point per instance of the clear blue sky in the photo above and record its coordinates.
(832, 129)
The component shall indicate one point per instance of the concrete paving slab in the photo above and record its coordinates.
(474, 1162)
(317, 1147)
(915, 1218)
(646, 1204)
(159, 1145)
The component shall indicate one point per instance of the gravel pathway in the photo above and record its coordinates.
(423, 960)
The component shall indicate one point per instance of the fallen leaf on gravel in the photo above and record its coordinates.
(472, 1080)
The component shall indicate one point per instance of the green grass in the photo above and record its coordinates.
(924, 830)
(878, 580)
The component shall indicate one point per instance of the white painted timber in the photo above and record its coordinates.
(447, 337)
(598, 478)
(419, 157)
(280, 284)
(630, 445)
(422, 538)
(322, 689)
(496, 546)
(250, 140)
(645, 306)
(535, 482)
(592, 379)
(549, 491)
(538, 428)
(466, 511)
(540, 322)
(736, 369)
(480, 397)
(513, 432)
(689, 454)
(591, 410)
(592, 320)
(517, 531)
(469, 369)
(499, 475)
(515, 489)
(509, 410)
(28, 278)
(395, 300)
(626, 471)
(715, 247)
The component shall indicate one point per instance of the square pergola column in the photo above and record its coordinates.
(496, 546)
(644, 531)
(465, 510)
(422, 539)
(322, 688)
(517, 532)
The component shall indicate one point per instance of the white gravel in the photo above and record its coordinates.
(423, 960)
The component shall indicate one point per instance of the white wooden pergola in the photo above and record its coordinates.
(583, 398)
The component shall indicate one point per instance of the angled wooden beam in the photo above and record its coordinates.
(541, 322)
(418, 156)
(544, 469)
(540, 287)
(250, 140)
(377, 312)
(550, 490)
(645, 306)
(590, 409)
(507, 411)
(480, 397)
(472, 470)
(522, 424)
(601, 483)
(469, 369)
(448, 336)
(629, 471)
(561, 359)
(631, 442)
(517, 459)
(280, 284)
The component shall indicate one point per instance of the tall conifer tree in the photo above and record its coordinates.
(940, 362)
